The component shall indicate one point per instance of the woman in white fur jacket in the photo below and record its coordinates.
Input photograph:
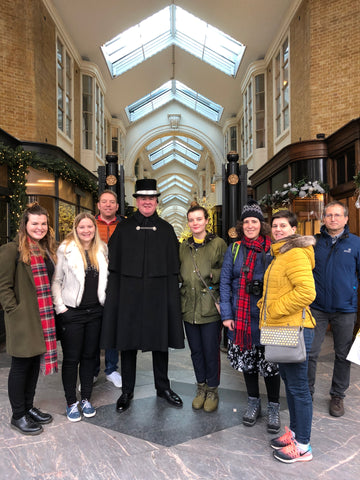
(78, 290)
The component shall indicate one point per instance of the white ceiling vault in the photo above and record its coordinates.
(256, 24)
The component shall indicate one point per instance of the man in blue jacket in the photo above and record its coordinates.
(336, 274)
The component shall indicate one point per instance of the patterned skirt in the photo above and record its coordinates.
(251, 361)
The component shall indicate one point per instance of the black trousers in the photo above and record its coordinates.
(80, 335)
(160, 369)
(204, 342)
(22, 381)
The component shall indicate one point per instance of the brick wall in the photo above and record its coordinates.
(27, 71)
(44, 44)
(335, 64)
(300, 74)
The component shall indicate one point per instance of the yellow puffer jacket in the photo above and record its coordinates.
(289, 285)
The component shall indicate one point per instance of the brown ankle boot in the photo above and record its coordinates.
(199, 400)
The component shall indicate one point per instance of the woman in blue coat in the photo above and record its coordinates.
(241, 280)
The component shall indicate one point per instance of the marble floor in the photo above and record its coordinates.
(152, 440)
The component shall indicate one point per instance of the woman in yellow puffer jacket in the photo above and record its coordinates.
(289, 289)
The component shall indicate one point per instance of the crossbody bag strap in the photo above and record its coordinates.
(266, 290)
(201, 277)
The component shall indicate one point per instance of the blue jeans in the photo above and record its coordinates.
(111, 361)
(298, 395)
(342, 327)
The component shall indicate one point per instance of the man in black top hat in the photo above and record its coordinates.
(142, 309)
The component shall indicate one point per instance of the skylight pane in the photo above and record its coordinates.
(191, 142)
(186, 151)
(207, 42)
(183, 94)
(157, 142)
(138, 43)
(172, 26)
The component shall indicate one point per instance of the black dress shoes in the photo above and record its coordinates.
(171, 397)
(26, 425)
(123, 402)
(40, 417)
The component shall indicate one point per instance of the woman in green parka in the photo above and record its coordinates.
(26, 268)
(201, 258)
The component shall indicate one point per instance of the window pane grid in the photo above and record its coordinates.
(173, 26)
(174, 90)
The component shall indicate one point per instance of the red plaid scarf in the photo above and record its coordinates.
(48, 361)
(242, 335)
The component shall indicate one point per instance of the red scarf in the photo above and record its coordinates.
(242, 336)
(48, 361)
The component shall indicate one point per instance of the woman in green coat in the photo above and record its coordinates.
(201, 258)
(26, 268)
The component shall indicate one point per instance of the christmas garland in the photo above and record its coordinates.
(18, 162)
(301, 189)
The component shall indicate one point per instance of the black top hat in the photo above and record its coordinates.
(145, 187)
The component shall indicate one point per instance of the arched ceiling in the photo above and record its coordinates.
(173, 75)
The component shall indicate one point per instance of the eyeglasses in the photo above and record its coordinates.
(334, 215)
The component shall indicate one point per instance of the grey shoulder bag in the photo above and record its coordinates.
(283, 344)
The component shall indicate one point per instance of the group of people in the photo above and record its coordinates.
(121, 293)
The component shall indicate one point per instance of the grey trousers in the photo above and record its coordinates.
(342, 327)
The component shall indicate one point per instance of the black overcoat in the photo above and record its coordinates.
(142, 308)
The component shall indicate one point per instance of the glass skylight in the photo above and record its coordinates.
(157, 142)
(191, 142)
(171, 178)
(180, 198)
(174, 90)
(178, 158)
(172, 26)
(174, 145)
(178, 182)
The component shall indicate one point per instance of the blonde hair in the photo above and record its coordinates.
(96, 243)
(47, 245)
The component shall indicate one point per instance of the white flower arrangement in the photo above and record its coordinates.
(301, 189)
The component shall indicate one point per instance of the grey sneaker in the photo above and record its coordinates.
(252, 412)
(273, 425)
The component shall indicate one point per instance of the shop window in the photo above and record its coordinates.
(345, 167)
(40, 182)
(67, 213)
(282, 92)
(66, 191)
(64, 89)
(278, 180)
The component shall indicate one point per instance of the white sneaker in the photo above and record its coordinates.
(94, 381)
(115, 378)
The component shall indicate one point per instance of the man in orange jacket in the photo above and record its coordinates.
(107, 221)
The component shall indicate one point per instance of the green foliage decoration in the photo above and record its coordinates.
(18, 162)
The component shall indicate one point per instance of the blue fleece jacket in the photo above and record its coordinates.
(336, 272)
